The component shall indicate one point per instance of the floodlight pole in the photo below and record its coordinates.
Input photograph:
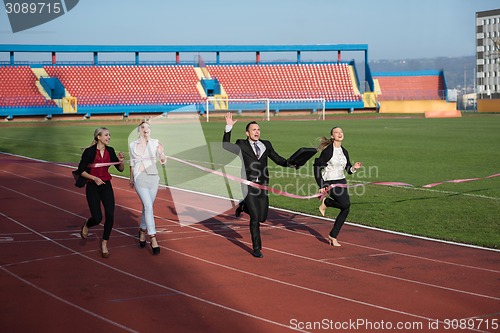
(268, 117)
(206, 109)
(324, 104)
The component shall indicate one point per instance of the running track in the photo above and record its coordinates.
(205, 279)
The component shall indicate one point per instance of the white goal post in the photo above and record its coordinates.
(263, 104)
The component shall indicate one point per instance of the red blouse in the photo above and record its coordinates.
(101, 172)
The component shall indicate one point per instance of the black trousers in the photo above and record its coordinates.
(339, 198)
(95, 195)
(256, 204)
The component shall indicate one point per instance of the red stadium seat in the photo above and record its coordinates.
(411, 87)
(292, 81)
(119, 84)
(18, 88)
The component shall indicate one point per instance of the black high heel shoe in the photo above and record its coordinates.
(142, 243)
(156, 250)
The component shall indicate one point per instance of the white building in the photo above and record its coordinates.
(487, 54)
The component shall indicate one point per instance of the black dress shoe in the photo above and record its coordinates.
(239, 209)
(257, 254)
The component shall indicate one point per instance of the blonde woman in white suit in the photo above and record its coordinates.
(144, 177)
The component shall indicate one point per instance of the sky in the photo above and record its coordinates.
(392, 29)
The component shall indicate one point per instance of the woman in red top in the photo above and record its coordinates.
(99, 187)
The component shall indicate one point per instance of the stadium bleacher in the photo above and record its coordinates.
(291, 81)
(115, 87)
(18, 88)
(120, 85)
(177, 84)
(128, 85)
(411, 87)
(123, 87)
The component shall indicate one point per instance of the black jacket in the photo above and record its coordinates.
(321, 162)
(89, 155)
(255, 170)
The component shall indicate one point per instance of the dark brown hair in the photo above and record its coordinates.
(248, 125)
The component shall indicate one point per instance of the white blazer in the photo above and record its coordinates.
(145, 162)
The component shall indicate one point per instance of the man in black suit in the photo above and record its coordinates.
(254, 153)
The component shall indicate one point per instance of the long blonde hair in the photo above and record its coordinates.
(324, 141)
(98, 131)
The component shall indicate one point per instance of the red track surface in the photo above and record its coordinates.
(205, 279)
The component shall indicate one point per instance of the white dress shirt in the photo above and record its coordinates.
(335, 167)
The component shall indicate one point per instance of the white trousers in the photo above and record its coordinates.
(146, 187)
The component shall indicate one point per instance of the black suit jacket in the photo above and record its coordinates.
(321, 162)
(255, 170)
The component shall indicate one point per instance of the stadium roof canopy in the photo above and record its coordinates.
(181, 48)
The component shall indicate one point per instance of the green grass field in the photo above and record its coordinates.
(413, 150)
